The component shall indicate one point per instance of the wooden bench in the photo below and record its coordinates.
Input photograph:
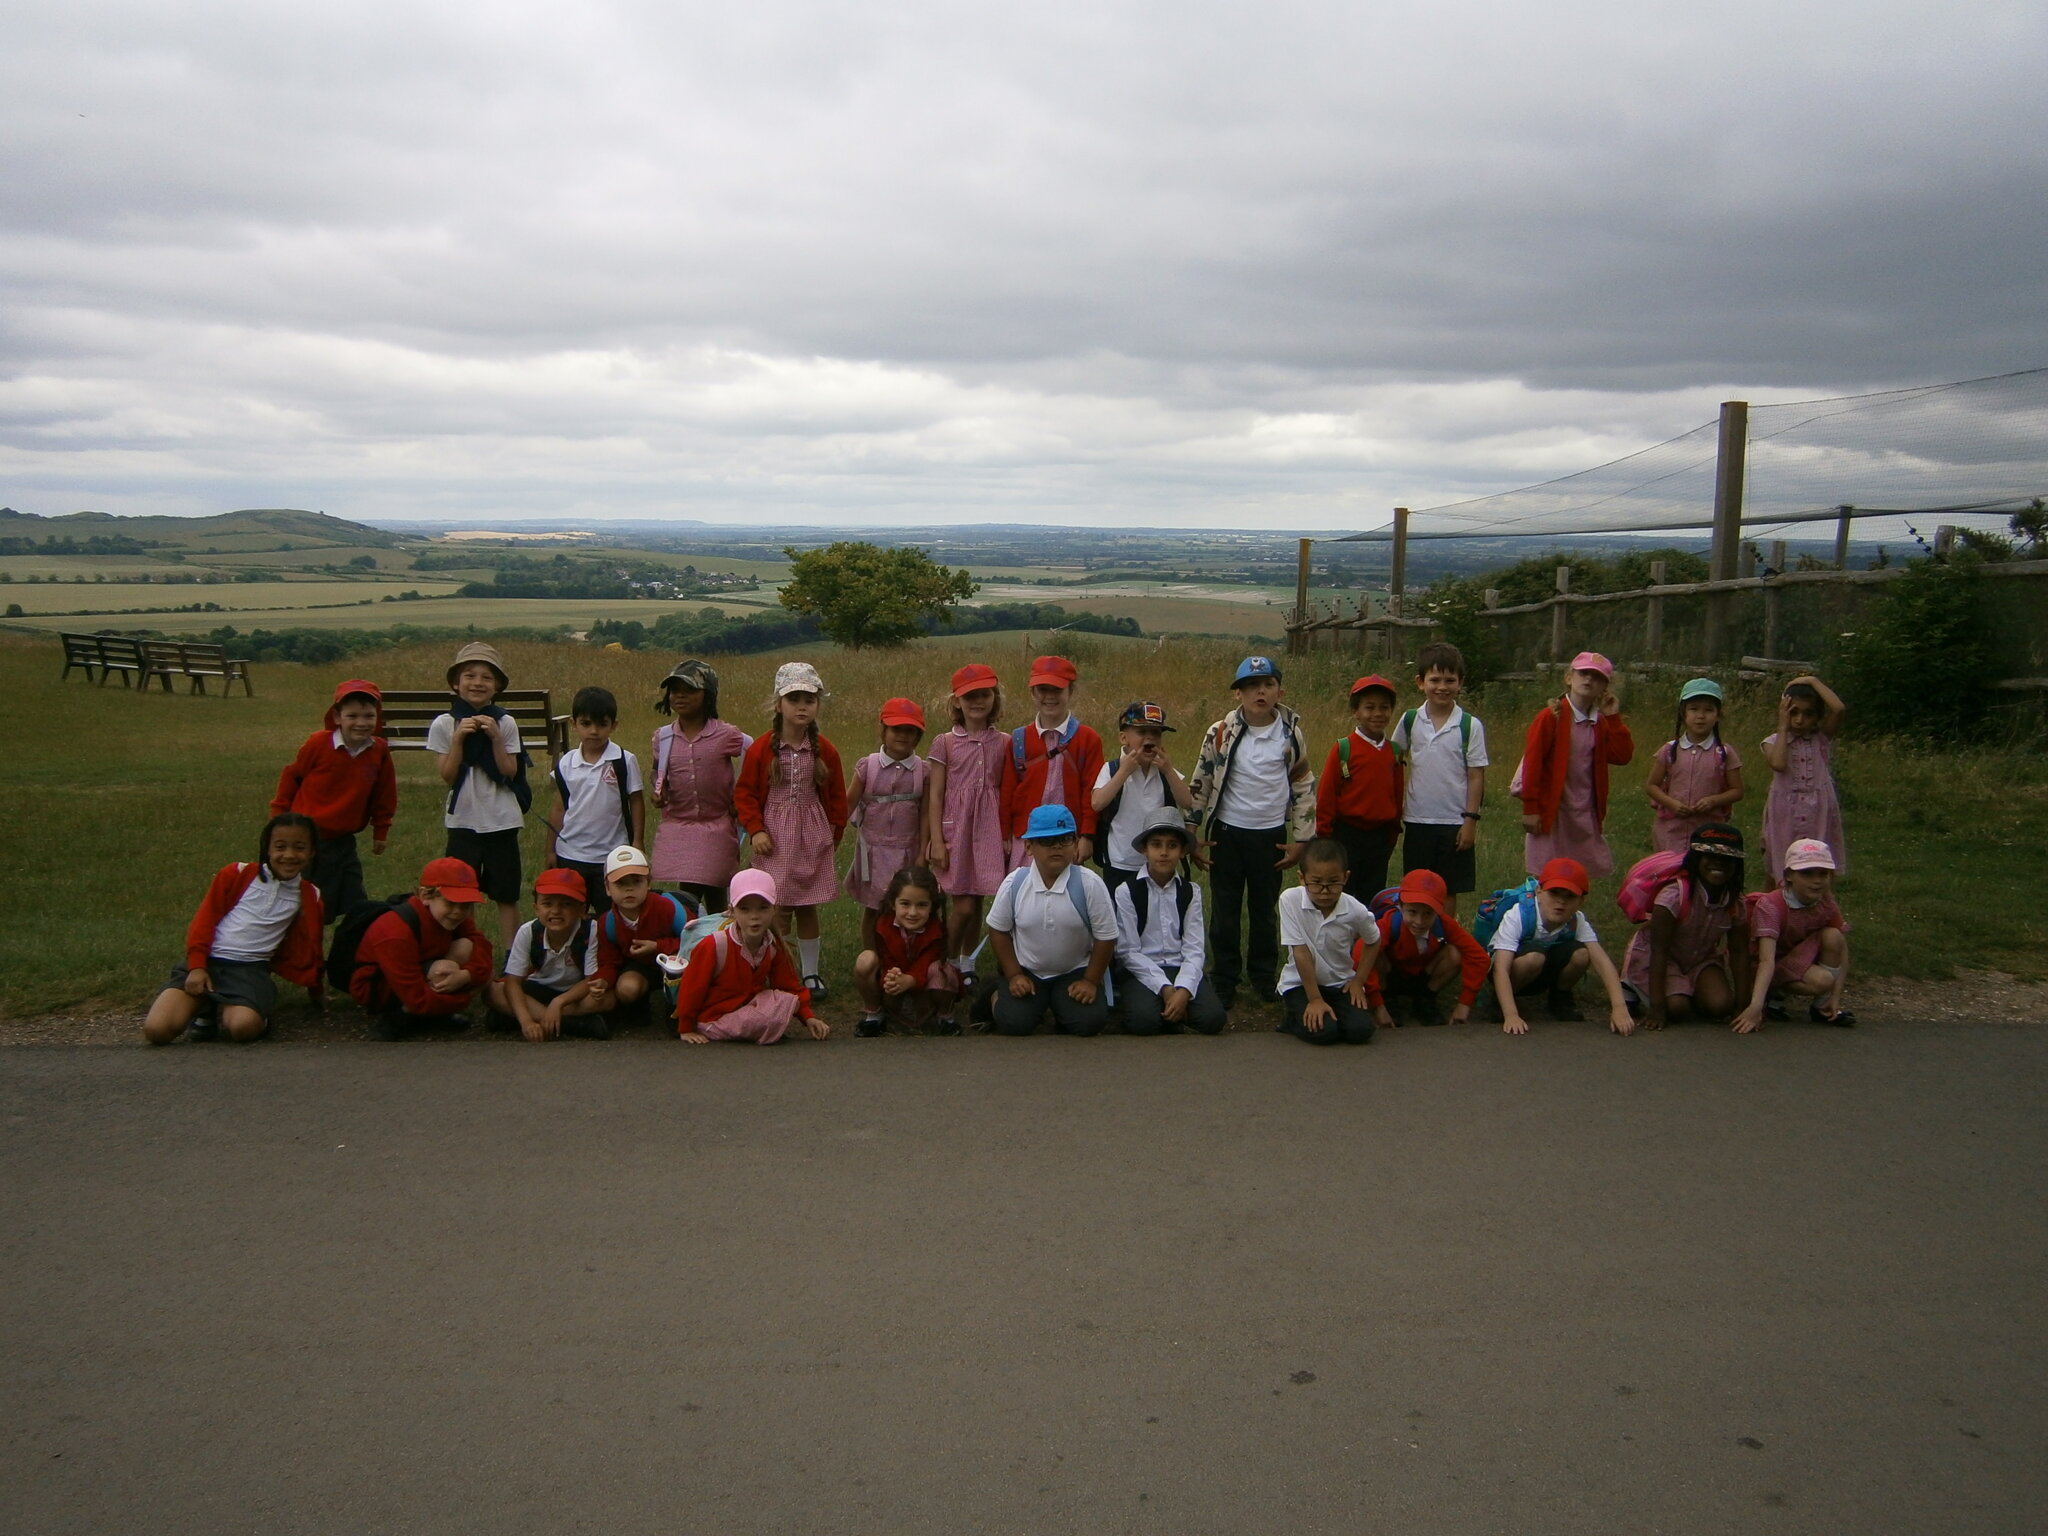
(408, 713)
(105, 655)
(195, 661)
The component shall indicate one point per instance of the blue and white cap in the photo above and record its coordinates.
(1253, 667)
(1049, 821)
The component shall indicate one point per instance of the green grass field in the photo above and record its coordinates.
(110, 830)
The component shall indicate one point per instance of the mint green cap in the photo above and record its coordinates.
(1700, 688)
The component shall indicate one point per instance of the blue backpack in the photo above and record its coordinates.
(1386, 911)
(1497, 906)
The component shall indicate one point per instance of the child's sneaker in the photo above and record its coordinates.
(870, 1027)
(586, 1026)
(1565, 1008)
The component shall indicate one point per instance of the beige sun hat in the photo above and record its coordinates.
(476, 650)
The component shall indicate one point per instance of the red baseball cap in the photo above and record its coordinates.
(1564, 875)
(1374, 681)
(452, 878)
(902, 712)
(972, 676)
(1053, 672)
(561, 882)
(1425, 887)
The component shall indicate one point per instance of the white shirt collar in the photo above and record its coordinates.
(1581, 716)
(1381, 743)
(1687, 744)
(612, 750)
(1793, 901)
(1057, 885)
(1062, 730)
(342, 746)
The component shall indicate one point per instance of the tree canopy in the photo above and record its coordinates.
(865, 595)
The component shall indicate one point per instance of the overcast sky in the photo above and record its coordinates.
(1279, 265)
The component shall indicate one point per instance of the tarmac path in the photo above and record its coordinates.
(1448, 1282)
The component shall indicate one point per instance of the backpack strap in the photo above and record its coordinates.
(625, 791)
(1344, 757)
(1017, 750)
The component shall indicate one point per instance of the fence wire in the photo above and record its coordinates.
(1978, 448)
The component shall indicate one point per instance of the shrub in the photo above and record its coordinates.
(1918, 664)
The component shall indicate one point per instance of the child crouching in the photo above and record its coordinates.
(419, 964)
(739, 983)
(1692, 955)
(904, 979)
(1801, 941)
(1422, 948)
(1544, 943)
(548, 988)
(256, 918)
(642, 926)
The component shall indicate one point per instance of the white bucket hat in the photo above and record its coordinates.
(797, 677)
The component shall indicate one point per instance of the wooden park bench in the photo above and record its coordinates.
(408, 713)
(195, 661)
(102, 656)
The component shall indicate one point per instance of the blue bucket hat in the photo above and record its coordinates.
(1253, 667)
(1050, 821)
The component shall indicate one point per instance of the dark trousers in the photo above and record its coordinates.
(337, 873)
(1352, 1025)
(1242, 868)
(593, 885)
(1021, 1015)
(1370, 850)
(1140, 1005)
(394, 1023)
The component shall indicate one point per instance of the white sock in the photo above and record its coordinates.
(808, 948)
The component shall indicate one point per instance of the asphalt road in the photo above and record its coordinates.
(1445, 1283)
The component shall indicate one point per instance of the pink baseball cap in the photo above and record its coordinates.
(1809, 853)
(750, 882)
(1592, 661)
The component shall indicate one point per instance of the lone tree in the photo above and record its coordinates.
(865, 595)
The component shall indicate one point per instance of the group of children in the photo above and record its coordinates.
(970, 864)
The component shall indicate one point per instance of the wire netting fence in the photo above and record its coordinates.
(1968, 452)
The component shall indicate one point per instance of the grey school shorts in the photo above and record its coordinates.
(236, 984)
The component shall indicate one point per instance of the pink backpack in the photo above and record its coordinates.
(1645, 882)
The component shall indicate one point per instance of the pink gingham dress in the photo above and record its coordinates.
(802, 862)
(971, 819)
(1575, 833)
(1693, 774)
(697, 839)
(1803, 803)
(888, 830)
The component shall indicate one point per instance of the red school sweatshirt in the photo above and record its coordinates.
(297, 958)
(391, 962)
(1080, 760)
(1370, 797)
(660, 916)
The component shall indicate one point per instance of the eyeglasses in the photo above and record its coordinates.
(1323, 885)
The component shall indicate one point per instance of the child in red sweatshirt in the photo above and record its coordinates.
(739, 983)
(1358, 798)
(419, 965)
(255, 919)
(1422, 947)
(344, 780)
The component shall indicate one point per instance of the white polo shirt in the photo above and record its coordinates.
(1329, 938)
(254, 926)
(557, 967)
(1437, 760)
(1040, 919)
(592, 822)
(1508, 935)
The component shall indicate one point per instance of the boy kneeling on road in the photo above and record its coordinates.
(1052, 956)
(1159, 936)
(548, 989)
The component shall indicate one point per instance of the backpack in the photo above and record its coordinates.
(1406, 730)
(348, 937)
(1645, 882)
(1079, 898)
(579, 945)
(917, 777)
(1141, 899)
(522, 791)
(625, 794)
(1486, 922)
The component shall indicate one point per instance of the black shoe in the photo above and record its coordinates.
(1841, 1018)
(1423, 1010)
(387, 1026)
(586, 1026)
(1774, 1007)
(203, 1030)
(1565, 1008)
(949, 1025)
(498, 1022)
(870, 1028)
(815, 985)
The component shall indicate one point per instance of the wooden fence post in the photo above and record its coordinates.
(1728, 468)
(1842, 538)
(1397, 581)
(1301, 600)
(1653, 636)
(1557, 613)
(1944, 541)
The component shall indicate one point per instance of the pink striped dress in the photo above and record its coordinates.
(971, 819)
(888, 826)
(1692, 773)
(697, 838)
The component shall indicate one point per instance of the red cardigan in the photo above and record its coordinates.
(913, 954)
(390, 963)
(705, 992)
(297, 958)
(658, 919)
(1022, 793)
(1371, 797)
(342, 794)
(1547, 754)
(750, 789)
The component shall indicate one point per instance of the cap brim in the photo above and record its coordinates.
(464, 893)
